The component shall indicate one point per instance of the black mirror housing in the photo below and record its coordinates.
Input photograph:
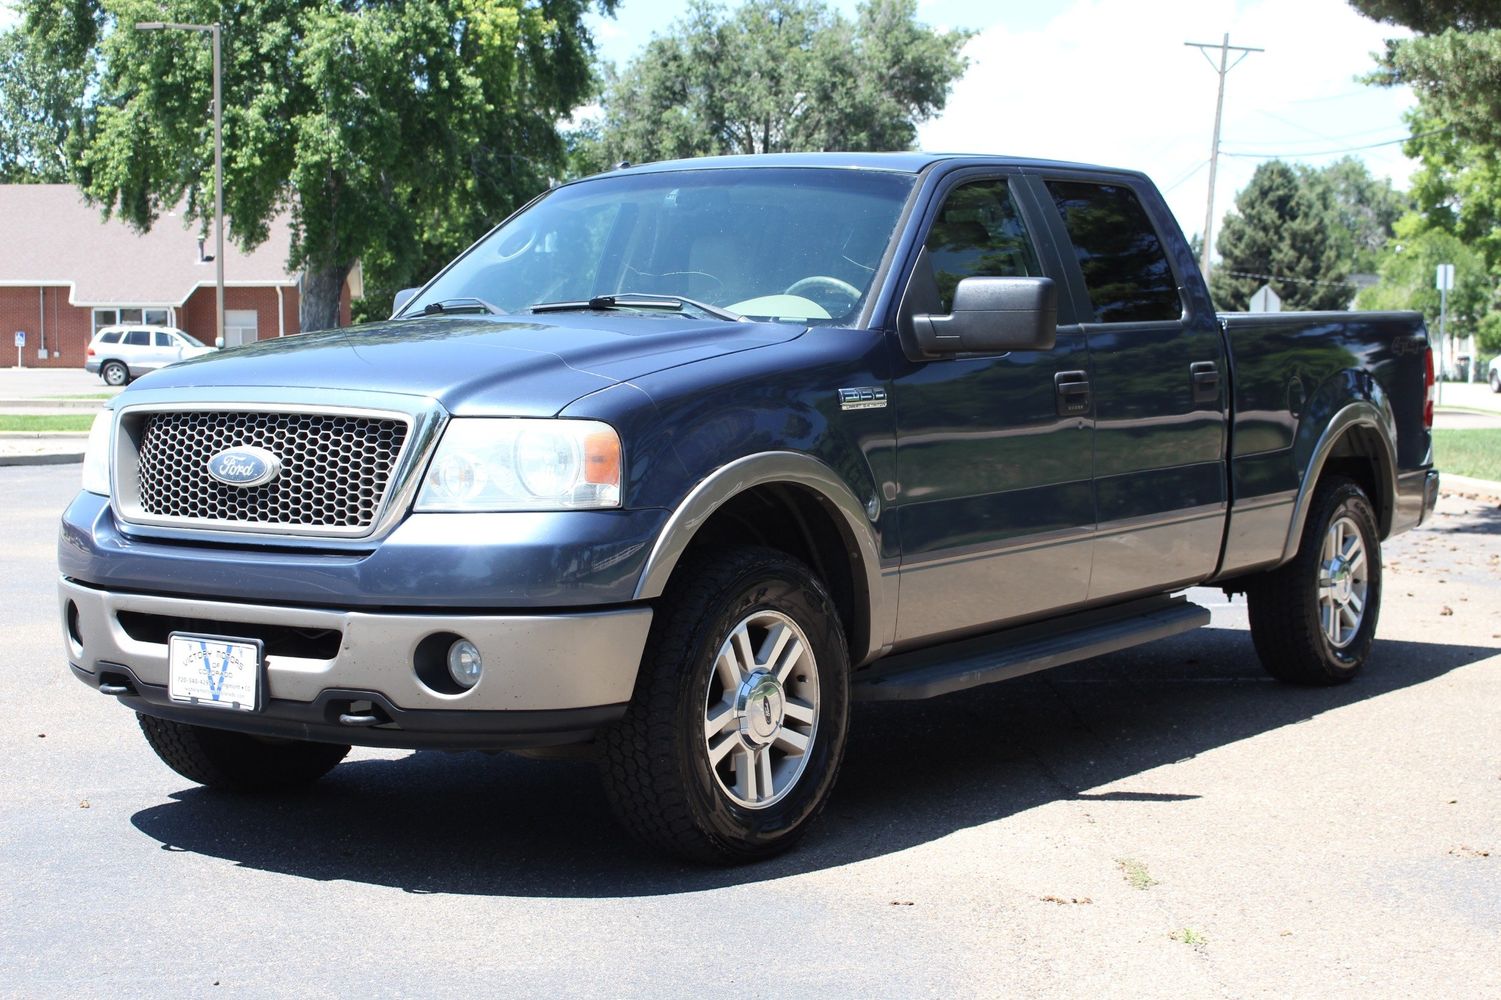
(991, 316)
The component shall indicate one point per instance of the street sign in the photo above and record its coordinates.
(20, 338)
(1443, 279)
(1264, 300)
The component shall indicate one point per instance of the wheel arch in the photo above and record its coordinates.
(795, 503)
(1357, 442)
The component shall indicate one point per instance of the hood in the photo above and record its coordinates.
(532, 366)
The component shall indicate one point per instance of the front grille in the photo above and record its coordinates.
(335, 468)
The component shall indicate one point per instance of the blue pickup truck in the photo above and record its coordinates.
(681, 459)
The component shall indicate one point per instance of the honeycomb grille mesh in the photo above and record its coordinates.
(335, 468)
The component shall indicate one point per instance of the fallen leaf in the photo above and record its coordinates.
(1446, 612)
(901, 902)
(84, 804)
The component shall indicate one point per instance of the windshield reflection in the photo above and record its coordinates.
(782, 244)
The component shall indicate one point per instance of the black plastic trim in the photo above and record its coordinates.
(399, 728)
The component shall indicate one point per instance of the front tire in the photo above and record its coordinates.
(235, 761)
(736, 731)
(1314, 620)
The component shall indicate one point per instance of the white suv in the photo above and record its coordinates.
(118, 354)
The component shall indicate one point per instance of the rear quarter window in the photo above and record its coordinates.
(110, 337)
(1126, 271)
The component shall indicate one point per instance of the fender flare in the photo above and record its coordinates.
(767, 468)
(1361, 413)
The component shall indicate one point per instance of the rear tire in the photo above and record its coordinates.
(114, 373)
(235, 761)
(737, 728)
(1313, 620)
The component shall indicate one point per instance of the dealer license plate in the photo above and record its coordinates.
(214, 671)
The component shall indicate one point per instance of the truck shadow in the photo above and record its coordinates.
(506, 826)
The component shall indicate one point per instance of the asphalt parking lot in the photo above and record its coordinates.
(1161, 822)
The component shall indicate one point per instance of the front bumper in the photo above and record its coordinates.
(549, 677)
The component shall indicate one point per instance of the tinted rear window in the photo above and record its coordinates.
(1125, 268)
(138, 338)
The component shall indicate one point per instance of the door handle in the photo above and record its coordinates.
(1205, 376)
(1072, 390)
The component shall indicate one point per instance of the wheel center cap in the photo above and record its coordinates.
(759, 708)
(1339, 578)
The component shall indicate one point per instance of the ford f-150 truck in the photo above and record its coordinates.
(680, 459)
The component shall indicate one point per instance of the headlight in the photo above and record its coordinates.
(516, 464)
(96, 455)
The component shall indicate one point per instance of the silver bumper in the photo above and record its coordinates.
(537, 662)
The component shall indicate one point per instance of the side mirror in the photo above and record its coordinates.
(218, 342)
(402, 298)
(992, 315)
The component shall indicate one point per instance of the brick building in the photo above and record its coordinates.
(65, 272)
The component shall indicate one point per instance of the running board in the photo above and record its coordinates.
(999, 656)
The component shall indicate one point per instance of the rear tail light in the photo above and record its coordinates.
(91, 352)
(1430, 387)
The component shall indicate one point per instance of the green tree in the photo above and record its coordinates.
(779, 76)
(1407, 273)
(386, 128)
(37, 111)
(1281, 234)
(1365, 210)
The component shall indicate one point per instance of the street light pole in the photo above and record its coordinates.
(213, 31)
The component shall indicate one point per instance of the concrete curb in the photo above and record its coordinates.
(55, 458)
(1465, 486)
(42, 403)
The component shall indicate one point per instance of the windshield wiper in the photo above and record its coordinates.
(463, 304)
(638, 300)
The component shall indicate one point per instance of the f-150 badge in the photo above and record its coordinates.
(864, 398)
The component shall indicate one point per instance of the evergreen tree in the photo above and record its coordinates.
(1280, 234)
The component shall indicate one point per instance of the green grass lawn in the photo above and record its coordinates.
(1475, 453)
(45, 422)
(87, 395)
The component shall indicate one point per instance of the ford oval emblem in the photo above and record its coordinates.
(244, 467)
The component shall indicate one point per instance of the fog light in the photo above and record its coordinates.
(464, 664)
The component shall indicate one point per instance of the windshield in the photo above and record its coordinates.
(784, 244)
(192, 340)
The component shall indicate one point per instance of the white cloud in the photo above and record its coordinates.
(1105, 82)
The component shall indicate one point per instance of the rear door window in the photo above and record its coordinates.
(138, 338)
(1126, 270)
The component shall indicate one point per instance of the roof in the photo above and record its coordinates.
(51, 237)
(904, 162)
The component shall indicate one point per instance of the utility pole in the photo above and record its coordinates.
(1224, 67)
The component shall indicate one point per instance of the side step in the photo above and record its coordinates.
(999, 656)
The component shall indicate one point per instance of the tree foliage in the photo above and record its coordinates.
(390, 130)
(1454, 67)
(778, 76)
(38, 108)
(1408, 270)
(1282, 234)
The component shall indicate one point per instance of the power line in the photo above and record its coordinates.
(1186, 177)
(1346, 149)
(1284, 278)
(1224, 68)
